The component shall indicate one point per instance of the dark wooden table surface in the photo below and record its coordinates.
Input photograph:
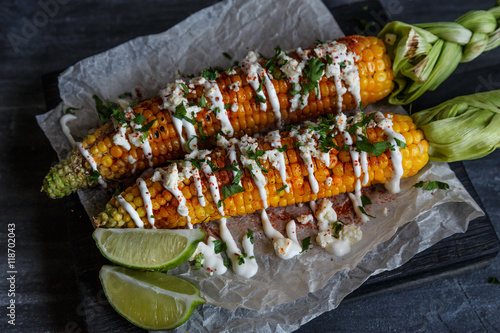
(56, 285)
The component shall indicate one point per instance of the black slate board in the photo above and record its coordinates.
(461, 252)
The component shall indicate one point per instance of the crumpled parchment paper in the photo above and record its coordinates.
(285, 293)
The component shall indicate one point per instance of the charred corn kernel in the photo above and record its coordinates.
(116, 151)
(129, 197)
(408, 138)
(106, 161)
(102, 146)
(94, 150)
(138, 201)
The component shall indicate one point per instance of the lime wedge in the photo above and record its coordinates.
(148, 249)
(151, 300)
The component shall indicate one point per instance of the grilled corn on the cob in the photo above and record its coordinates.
(318, 162)
(256, 96)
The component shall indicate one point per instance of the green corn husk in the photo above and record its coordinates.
(424, 55)
(463, 128)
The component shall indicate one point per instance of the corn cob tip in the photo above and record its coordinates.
(68, 176)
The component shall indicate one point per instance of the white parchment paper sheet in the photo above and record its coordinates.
(284, 294)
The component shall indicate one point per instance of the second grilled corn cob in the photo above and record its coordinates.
(258, 95)
(321, 160)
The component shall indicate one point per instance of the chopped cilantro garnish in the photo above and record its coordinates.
(255, 156)
(365, 201)
(336, 228)
(432, 185)
(181, 112)
(186, 89)
(119, 116)
(117, 191)
(195, 162)
(147, 127)
(241, 259)
(199, 258)
(125, 95)
(306, 244)
(261, 83)
(202, 101)
(329, 59)
(226, 262)
(298, 144)
(69, 110)
(313, 71)
(153, 217)
(250, 235)
(364, 211)
(230, 190)
(307, 87)
(318, 41)
(219, 246)
(327, 143)
(400, 143)
(104, 110)
(134, 103)
(272, 64)
(210, 73)
(212, 166)
(376, 148)
(361, 124)
(239, 173)
(227, 106)
(343, 65)
(282, 149)
(227, 55)
(220, 203)
(94, 175)
(282, 188)
(139, 118)
(260, 99)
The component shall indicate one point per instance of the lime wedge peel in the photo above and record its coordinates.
(148, 249)
(150, 300)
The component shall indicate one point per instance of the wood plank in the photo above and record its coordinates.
(451, 256)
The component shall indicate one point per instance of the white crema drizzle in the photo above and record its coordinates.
(247, 267)
(64, 121)
(86, 154)
(212, 91)
(136, 137)
(285, 248)
(254, 71)
(212, 179)
(146, 198)
(342, 68)
(211, 261)
(385, 123)
(326, 216)
(276, 157)
(248, 143)
(173, 96)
